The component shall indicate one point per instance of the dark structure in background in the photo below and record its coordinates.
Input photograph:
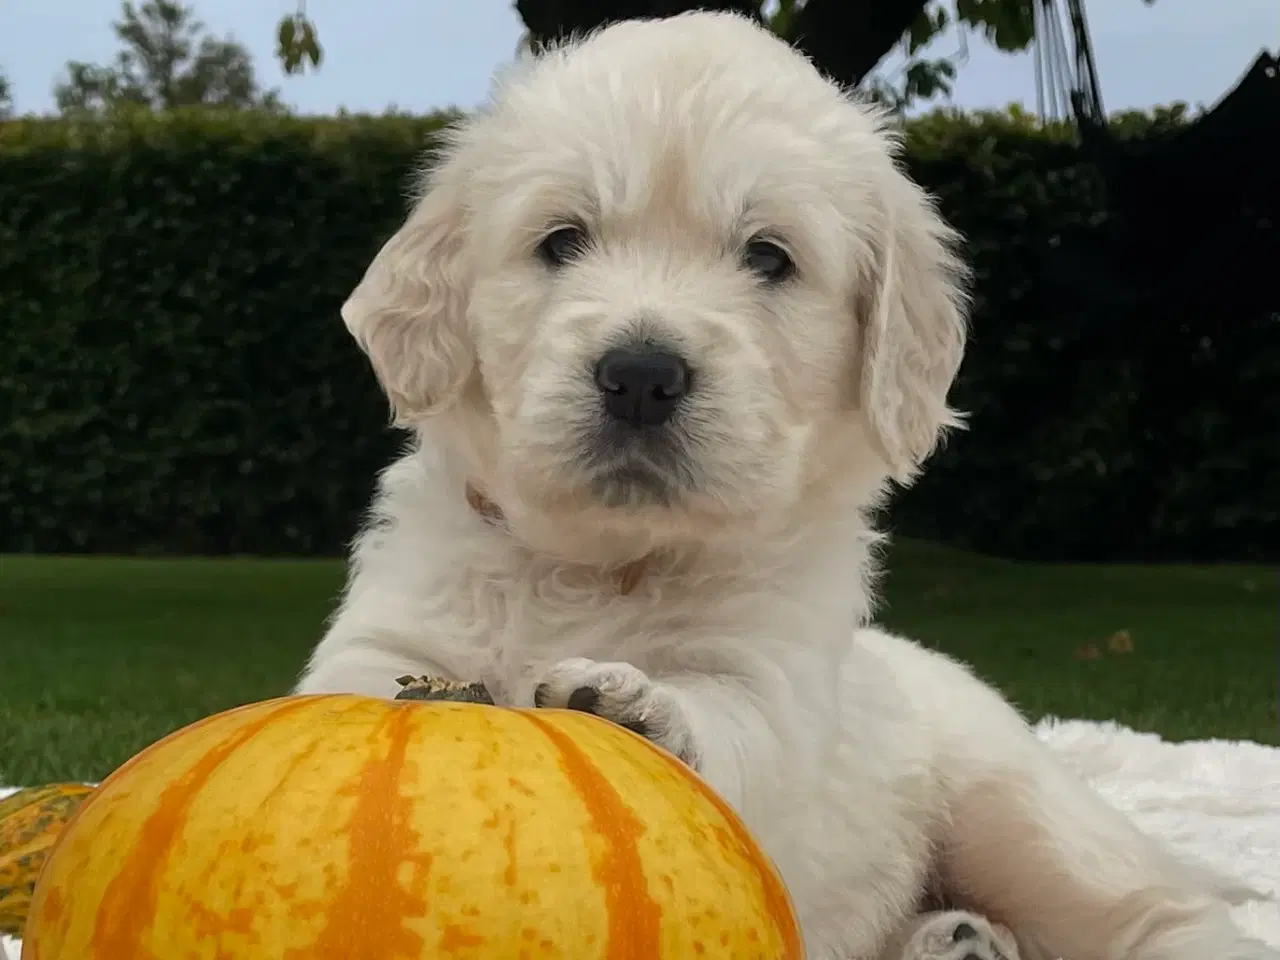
(1180, 283)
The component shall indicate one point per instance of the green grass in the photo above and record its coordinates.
(99, 657)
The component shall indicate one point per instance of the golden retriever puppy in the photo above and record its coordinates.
(665, 323)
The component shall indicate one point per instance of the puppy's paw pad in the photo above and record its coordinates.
(959, 935)
(622, 694)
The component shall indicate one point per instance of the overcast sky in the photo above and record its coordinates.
(419, 55)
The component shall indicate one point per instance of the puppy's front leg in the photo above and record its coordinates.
(381, 633)
(711, 722)
(364, 667)
(625, 695)
(370, 644)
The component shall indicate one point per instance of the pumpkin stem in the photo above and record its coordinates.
(440, 688)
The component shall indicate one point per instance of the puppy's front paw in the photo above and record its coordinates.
(959, 935)
(624, 695)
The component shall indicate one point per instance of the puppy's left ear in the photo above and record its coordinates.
(913, 320)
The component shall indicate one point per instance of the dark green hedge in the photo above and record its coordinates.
(174, 377)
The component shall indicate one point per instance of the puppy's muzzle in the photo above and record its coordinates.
(642, 387)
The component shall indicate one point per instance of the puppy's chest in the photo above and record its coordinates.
(535, 622)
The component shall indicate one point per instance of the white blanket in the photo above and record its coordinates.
(1215, 800)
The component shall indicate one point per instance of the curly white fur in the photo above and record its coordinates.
(870, 768)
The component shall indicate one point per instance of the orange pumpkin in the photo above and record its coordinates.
(341, 827)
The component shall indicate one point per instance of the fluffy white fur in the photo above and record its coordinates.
(871, 768)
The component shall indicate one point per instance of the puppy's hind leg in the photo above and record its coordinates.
(1037, 850)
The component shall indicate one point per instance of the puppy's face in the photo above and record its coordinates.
(669, 280)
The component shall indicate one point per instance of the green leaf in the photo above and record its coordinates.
(285, 34)
(310, 45)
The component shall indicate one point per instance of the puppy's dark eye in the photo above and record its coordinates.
(562, 245)
(770, 261)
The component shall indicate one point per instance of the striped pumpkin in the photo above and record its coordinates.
(335, 827)
(30, 821)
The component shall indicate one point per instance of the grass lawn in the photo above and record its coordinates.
(99, 657)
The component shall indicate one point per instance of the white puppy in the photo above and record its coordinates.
(665, 323)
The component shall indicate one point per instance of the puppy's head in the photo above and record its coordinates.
(669, 280)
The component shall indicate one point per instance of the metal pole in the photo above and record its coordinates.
(1085, 64)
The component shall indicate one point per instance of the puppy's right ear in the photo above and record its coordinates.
(408, 313)
(914, 326)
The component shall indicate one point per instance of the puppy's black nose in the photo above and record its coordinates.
(642, 387)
